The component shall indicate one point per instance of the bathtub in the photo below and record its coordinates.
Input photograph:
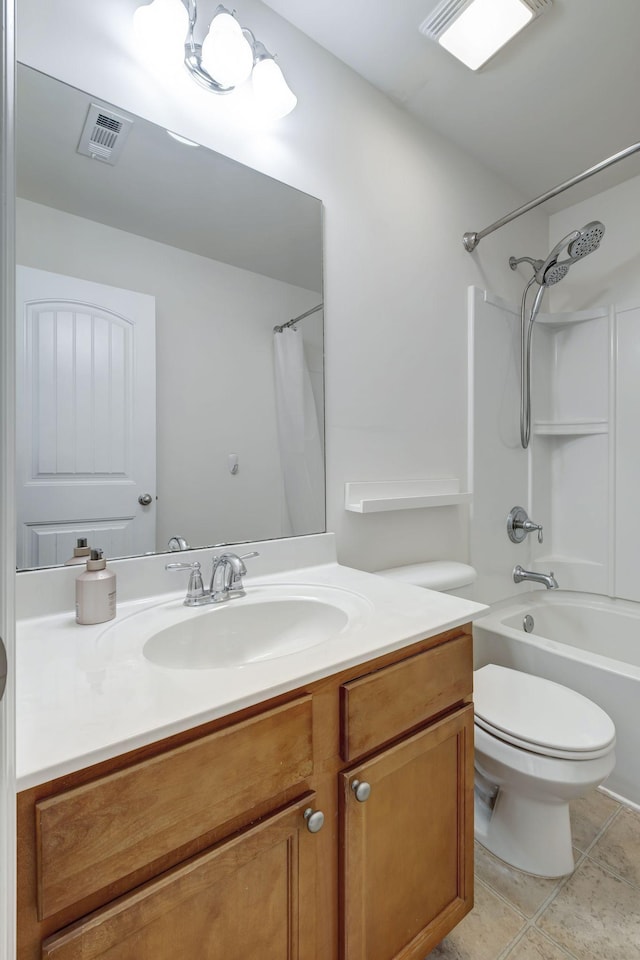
(586, 642)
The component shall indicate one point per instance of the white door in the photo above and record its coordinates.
(85, 419)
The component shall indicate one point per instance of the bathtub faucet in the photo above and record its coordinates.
(548, 579)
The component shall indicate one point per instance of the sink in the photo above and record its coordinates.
(270, 622)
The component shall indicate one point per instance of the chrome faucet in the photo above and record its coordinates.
(547, 579)
(228, 585)
(227, 571)
(177, 543)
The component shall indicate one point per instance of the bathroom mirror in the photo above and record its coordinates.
(156, 402)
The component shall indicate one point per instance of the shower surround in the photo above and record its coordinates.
(579, 475)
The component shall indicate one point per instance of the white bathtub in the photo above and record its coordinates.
(589, 643)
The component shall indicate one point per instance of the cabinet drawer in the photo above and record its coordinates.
(381, 706)
(100, 833)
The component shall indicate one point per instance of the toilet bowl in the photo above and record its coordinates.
(538, 746)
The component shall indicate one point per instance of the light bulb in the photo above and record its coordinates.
(227, 55)
(160, 29)
(273, 96)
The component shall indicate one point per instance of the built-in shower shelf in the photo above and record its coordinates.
(558, 321)
(377, 496)
(570, 428)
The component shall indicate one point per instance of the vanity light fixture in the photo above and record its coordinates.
(220, 56)
(474, 30)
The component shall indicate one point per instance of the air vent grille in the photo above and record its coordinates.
(447, 11)
(103, 134)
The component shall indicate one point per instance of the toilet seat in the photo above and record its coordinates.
(540, 716)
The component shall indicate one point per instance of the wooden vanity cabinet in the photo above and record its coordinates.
(199, 847)
(407, 846)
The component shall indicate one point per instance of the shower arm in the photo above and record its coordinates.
(471, 239)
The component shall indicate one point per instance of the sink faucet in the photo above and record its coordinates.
(227, 571)
(228, 585)
(547, 579)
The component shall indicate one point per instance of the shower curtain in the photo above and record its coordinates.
(299, 435)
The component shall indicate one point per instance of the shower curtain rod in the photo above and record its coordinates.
(290, 323)
(471, 240)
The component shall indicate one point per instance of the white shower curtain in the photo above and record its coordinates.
(299, 435)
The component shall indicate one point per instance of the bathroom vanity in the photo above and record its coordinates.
(332, 819)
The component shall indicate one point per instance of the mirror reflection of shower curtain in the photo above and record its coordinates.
(299, 435)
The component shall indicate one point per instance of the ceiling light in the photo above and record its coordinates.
(219, 53)
(474, 30)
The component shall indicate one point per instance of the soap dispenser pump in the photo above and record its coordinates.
(81, 552)
(96, 591)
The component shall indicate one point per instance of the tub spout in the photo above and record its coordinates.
(547, 579)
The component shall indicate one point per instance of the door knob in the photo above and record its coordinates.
(361, 790)
(315, 819)
(145, 499)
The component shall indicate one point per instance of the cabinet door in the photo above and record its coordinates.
(250, 898)
(407, 849)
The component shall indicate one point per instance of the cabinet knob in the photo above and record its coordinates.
(314, 818)
(361, 789)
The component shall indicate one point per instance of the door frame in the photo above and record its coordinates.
(7, 480)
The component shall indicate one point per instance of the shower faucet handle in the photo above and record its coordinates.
(519, 525)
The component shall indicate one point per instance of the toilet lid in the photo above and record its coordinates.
(539, 715)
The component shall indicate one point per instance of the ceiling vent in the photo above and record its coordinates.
(448, 10)
(104, 134)
(474, 30)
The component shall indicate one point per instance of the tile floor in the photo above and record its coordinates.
(592, 915)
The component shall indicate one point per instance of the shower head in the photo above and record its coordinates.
(578, 244)
(554, 273)
(588, 241)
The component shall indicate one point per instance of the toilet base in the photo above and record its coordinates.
(530, 835)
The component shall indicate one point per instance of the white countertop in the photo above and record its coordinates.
(88, 693)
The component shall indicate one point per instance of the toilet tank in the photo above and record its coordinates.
(447, 576)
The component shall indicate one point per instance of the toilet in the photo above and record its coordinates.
(538, 746)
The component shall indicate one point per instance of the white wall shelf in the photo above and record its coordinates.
(377, 496)
(570, 428)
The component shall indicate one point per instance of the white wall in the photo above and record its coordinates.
(207, 406)
(397, 200)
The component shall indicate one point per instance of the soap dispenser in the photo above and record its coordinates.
(96, 591)
(81, 552)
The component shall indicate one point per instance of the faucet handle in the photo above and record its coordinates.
(195, 589)
(236, 579)
(519, 525)
(530, 526)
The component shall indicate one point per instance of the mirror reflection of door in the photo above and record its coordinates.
(86, 445)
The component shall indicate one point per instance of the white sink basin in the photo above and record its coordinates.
(270, 622)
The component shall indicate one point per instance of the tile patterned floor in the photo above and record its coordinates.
(592, 915)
